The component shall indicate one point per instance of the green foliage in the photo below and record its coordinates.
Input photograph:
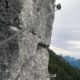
(62, 69)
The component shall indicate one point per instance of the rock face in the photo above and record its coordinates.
(25, 56)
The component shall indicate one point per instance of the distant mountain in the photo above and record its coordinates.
(63, 70)
(74, 62)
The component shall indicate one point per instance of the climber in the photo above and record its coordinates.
(58, 7)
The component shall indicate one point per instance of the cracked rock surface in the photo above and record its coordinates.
(25, 57)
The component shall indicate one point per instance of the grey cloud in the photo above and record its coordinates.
(67, 25)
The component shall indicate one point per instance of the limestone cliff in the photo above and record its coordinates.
(25, 56)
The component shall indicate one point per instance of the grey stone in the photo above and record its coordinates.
(25, 57)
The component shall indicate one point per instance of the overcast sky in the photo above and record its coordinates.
(66, 28)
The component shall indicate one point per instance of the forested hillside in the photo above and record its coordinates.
(62, 69)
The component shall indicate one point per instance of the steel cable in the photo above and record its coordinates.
(16, 34)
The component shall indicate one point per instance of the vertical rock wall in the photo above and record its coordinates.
(25, 57)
